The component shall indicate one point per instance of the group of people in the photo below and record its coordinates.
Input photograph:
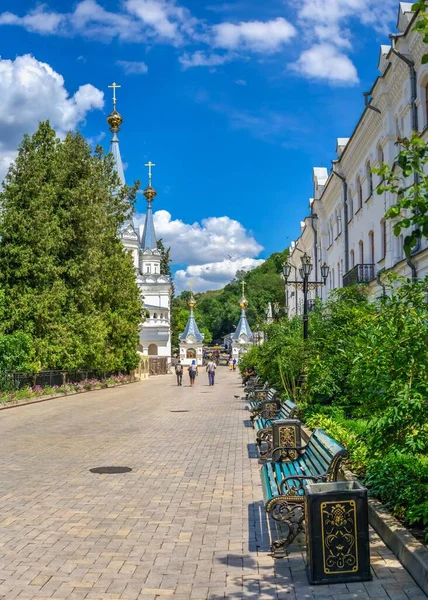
(232, 364)
(194, 371)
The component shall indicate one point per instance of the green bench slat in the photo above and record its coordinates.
(268, 483)
(316, 460)
(284, 413)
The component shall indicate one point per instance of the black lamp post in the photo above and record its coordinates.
(305, 285)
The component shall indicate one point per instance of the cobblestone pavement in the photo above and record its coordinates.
(187, 522)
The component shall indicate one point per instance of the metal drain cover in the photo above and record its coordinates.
(110, 470)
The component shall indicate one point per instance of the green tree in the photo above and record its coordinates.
(410, 211)
(67, 280)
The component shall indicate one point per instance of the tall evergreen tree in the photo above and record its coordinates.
(67, 280)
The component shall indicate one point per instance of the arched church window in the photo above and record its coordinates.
(155, 315)
(153, 350)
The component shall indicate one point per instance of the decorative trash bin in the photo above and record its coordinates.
(337, 532)
(286, 432)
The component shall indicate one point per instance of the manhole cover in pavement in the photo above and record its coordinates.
(178, 411)
(110, 470)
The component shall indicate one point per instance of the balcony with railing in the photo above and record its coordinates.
(359, 274)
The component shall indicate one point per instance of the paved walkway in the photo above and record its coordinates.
(187, 522)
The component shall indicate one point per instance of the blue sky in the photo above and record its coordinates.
(234, 101)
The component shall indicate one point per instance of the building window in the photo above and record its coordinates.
(371, 246)
(155, 315)
(383, 237)
(361, 252)
(369, 176)
(426, 104)
(359, 194)
(397, 127)
(350, 207)
(380, 160)
(352, 259)
(148, 269)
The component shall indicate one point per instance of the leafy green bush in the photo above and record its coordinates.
(400, 481)
(334, 331)
(343, 431)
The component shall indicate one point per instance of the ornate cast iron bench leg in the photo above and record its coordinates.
(293, 515)
(264, 436)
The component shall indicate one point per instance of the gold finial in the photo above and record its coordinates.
(114, 119)
(192, 301)
(243, 303)
(150, 192)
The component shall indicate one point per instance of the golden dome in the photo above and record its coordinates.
(115, 120)
(150, 193)
(243, 303)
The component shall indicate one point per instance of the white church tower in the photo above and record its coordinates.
(128, 233)
(155, 337)
(155, 334)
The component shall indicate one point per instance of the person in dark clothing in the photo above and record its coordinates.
(179, 372)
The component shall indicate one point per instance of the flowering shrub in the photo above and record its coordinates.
(28, 393)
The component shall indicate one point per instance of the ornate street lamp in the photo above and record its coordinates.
(305, 285)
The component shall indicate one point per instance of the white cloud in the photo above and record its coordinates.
(132, 67)
(31, 92)
(327, 12)
(90, 19)
(327, 26)
(203, 59)
(324, 61)
(319, 24)
(212, 276)
(168, 20)
(241, 82)
(209, 241)
(38, 20)
(212, 250)
(258, 36)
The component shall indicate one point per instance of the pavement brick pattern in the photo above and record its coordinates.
(187, 522)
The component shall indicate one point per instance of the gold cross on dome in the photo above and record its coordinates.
(150, 165)
(191, 286)
(115, 87)
(243, 287)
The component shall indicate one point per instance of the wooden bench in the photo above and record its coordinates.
(283, 480)
(254, 383)
(266, 401)
(263, 425)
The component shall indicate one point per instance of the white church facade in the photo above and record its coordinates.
(155, 287)
(345, 227)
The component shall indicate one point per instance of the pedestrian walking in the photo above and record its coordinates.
(179, 372)
(234, 364)
(193, 371)
(211, 367)
(230, 364)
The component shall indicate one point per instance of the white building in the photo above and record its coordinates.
(191, 340)
(346, 227)
(155, 334)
